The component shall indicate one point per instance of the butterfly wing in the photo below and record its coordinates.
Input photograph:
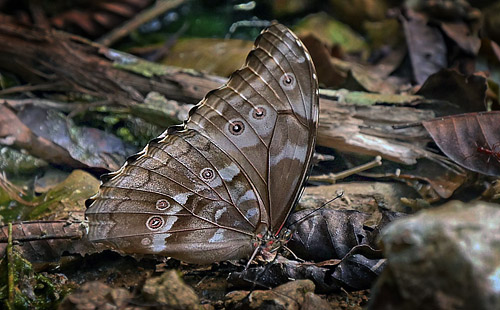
(202, 192)
(274, 99)
(174, 199)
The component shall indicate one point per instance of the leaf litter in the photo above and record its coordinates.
(424, 74)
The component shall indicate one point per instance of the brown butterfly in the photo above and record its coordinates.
(225, 181)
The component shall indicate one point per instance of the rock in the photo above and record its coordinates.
(442, 258)
(169, 290)
(314, 302)
(207, 307)
(99, 296)
(289, 296)
(235, 300)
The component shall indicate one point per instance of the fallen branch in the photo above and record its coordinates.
(67, 63)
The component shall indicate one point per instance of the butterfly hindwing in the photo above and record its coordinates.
(207, 191)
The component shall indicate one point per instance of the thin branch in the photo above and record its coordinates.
(145, 16)
(332, 177)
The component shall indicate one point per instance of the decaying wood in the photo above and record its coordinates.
(63, 62)
(367, 130)
(361, 196)
(45, 241)
(46, 56)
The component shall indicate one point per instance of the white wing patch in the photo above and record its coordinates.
(249, 195)
(169, 223)
(299, 154)
(159, 242)
(229, 172)
(251, 213)
(218, 236)
(181, 198)
(219, 213)
(174, 209)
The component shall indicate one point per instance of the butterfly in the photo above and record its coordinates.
(225, 181)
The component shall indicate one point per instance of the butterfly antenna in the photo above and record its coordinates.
(316, 210)
(259, 274)
(253, 256)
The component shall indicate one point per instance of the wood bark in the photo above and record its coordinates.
(54, 61)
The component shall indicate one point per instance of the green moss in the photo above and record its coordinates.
(17, 162)
(364, 98)
(31, 290)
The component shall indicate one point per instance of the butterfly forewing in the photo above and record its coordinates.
(293, 144)
(275, 98)
(207, 191)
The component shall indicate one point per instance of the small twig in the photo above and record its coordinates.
(10, 268)
(159, 53)
(332, 177)
(407, 125)
(14, 191)
(76, 236)
(38, 14)
(27, 88)
(159, 8)
(201, 281)
(80, 108)
(60, 106)
(293, 254)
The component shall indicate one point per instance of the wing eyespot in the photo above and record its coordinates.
(259, 113)
(288, 81)
(155, 222)
(162, 204)
(236, 128)
(207, 174)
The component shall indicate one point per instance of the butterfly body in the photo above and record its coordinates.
(218, 186)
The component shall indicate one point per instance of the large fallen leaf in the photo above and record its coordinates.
(357, 12)
(356, 271)
(339, 241)
(471, 140)
(66, 199)
(465, 93)
(332, 234)
(92, 147)
(332, 33)
(335, 72)
(460, 32)
(14, 132)
(426, 46)
(204, 54)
